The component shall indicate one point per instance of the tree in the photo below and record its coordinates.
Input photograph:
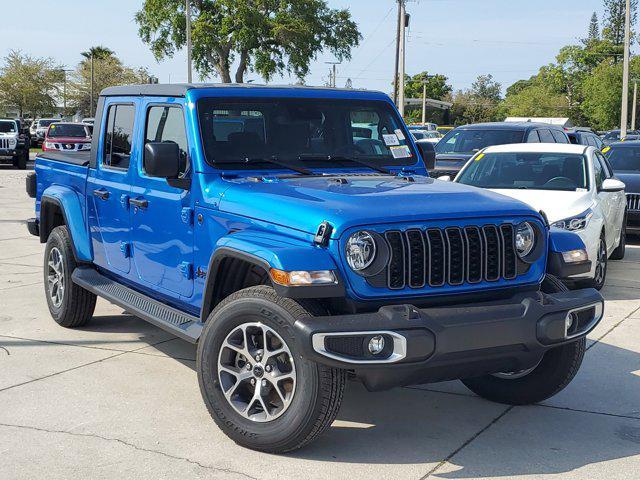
(98, 52)
(29, 84)
(593, 33)
(537, 100)
(437, 86)
(614, 19)
(269, 37)
(486, 88)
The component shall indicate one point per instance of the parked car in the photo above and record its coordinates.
(614, 136)
(13, 144)
(429, 136)
(295, 252)
(573, 185)
(426, 126)
(39, 129)
(67, 136)
(88, 120)
(459, 145)
(585, 136)
(624, 159)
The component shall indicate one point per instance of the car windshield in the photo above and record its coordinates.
(67, 130)
(243, 133)
(624, 158)
(472, 140)
(7, 127)
(527, 170)
(46, 123)
(419, 134)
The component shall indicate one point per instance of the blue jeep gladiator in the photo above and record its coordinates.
(295, 236)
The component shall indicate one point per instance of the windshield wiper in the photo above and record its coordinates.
(341, 158)
(276, 161)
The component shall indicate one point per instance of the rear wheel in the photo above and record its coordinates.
(550, 375)
(257, 387)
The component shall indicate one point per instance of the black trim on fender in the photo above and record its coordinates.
(561, 269)
(31, 185)
(311, 291)
(44, 226)
(33, 227)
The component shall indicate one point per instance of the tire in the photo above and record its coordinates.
(618, 253)
(22, 160)
(553, 373)
(599, 279)
(72, 306)
(313, 399)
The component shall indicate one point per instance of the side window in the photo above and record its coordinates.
(598, 172)
(118, 136)
(545, 136)
(533, 137)
(166, 124)
(559, 136)
(608, 173)
(597, 142)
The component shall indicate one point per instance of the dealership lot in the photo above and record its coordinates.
(120, 397)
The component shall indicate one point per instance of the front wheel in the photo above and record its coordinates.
(553, 373)
(618, 253)
(257, 387)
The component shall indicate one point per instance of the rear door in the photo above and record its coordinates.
(108, 187)
(161, 214)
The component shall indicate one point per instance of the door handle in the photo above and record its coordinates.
(139, 202)
(101, 193)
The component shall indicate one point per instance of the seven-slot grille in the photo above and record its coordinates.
(450, 256)
(633, 202)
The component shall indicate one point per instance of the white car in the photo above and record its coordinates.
(429, 136)
(572, 184)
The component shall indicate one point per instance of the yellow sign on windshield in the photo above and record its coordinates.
(479, 157)
(606, 149)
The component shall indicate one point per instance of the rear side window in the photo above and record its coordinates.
(118, 136)
(166, 124)
(533, 137)
(545, 136)
(559, 136)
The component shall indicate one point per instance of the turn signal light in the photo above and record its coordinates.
(300, 278)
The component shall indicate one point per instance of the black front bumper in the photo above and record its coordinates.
(445, 343)
(633, 222)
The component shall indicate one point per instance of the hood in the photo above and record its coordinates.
(8, 134)
(69, 139)
(346, 201)
(631, 180)
(558, 205)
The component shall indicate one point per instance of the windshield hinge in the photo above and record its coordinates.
(323, 234)
(186, 215)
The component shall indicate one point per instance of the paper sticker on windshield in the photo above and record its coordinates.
(391, 139)
(479, 157)
(399, 134)
(606, 149)
(400, 152)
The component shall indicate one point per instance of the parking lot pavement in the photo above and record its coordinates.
(119, 398)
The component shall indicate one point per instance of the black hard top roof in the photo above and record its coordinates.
(510, 126)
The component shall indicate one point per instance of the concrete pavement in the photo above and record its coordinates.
(119, 399)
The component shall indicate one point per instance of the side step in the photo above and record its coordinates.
(168, 318)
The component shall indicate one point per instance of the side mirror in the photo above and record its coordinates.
(612, 185)
(445, 178)
(428, 153)
(162, 160)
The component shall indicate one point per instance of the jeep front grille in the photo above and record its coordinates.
(4, 143)
(450, 256)
(633, 202)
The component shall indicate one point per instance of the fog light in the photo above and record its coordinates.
(376, 344)
(568, 322)
(575, 256)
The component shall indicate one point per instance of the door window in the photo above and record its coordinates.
(545, 136)
(598, 172)
(166, 124)
(118, 136)
(559, 136)
(607, 171)
(533, 137)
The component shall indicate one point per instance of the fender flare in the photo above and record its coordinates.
(70, 205)
(564, 241)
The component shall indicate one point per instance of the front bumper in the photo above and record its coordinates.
(445, 343)
(633, 222)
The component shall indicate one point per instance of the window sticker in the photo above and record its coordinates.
(606, 149)
(479, 157)
(390, 139)
(399, 134)
(400, 152)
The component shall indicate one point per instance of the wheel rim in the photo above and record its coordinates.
(257, 373)
(516, 375)
(55, 277)
(601, 265)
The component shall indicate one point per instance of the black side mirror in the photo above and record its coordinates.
(428, 153)
(162, 159)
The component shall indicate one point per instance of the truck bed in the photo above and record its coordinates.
(74, 158)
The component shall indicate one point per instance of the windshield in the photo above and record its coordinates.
(419, 134)
(530, 170)
(305, 132)
(624, 158)
(68, 130)
(7, 127)
(470, 140)
(46, 123)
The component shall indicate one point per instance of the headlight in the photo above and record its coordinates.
(525, 239)
(360, 250)
(12, 142)
(579, 222)
(49, 145)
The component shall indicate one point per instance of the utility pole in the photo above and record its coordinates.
(401, 54)
(189, 60)
(635, 103)
(333, 73)
(625, 73)
(397, 64)
(91, 103)
(424, 98)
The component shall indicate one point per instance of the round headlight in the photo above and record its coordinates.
(525, 239)
(360, 250)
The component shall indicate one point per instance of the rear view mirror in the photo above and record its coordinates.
(612, 185)
(428, 153)
(162, 159)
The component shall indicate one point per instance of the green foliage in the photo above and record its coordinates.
(486, 88)
(269, 37)
(593, 33)
(98, 52)
(614, 19)
(29, 84)
(437, 86)
(480, 103)
(536, 100)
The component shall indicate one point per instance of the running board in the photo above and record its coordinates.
(168, 318)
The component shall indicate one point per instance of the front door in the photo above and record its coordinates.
(108, 188)
(161, 214)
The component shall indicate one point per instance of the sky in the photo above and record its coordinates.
(461, 39)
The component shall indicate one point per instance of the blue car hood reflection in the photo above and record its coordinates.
(346, 201)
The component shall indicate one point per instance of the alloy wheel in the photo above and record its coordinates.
(601, 264)
(55, 277)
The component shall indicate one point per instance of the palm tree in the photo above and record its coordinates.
(98, 53)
